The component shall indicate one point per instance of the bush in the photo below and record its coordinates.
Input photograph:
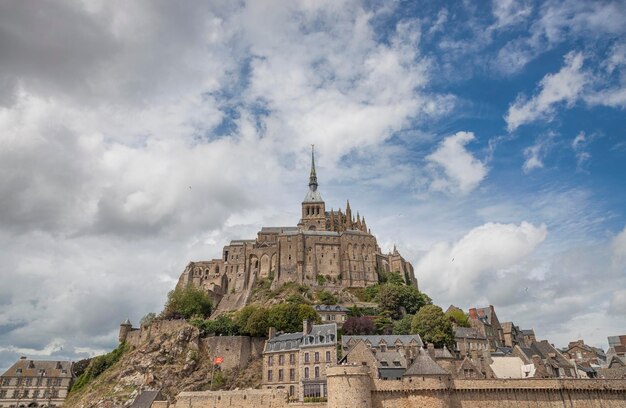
(403, 326)
(401, 299)
(358, 326)
(98, 365)
(222, 325)
(327, 298)
(321, 280)
(186, 302)
(459, 317)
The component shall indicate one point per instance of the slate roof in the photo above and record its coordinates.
(313, 197)
(543, 349)
(34, 368)
(468, 333)
(331, 308)
(527, 332)
(320, 334)
(146, 398)
(424, 365)
(391, 359)
(443, 353)
(389, 339)
(283, 342)
(278, 229)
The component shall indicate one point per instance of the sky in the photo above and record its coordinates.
(485, 139)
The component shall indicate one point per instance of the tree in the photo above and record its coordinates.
(222, 325)
(383, 325)
(257, 324)
(459, 317)
(358, 326)
(186, 302)
(401, 299)
(288, 317)
(433, 326)
(403, 326)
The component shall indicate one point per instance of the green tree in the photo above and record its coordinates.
(401, 299)
(222, 325)
(403, 326)
(288, 317)
(431, 323)
(257, 324)
(327, 298)
(186, 302)
(383, 325)
(459, 317)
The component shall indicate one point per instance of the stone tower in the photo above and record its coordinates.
(125, 328)
(313, 206)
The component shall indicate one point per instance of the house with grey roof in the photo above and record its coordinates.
(468, 339)
(332, 313)
(297, 362)
(35, 383)
(407, 345)
(542, 353)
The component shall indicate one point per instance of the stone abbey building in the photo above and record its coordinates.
(330, 248)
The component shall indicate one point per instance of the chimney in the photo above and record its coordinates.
(487, 357)
(306, 326)
(431, 350)
(474, 356)
(272, 333)
(472, 313)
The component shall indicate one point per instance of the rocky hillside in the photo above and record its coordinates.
(173, 361)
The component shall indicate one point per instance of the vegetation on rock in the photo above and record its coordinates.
(187, 302)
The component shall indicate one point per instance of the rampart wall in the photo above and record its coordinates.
(352, 387)
(155, 330)
(237, 351)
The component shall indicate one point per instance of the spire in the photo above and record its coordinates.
(313, 176)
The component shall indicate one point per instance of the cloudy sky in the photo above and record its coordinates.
(485, 139)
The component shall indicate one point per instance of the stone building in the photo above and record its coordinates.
(35, 383)
(583, 353)
(407, 345)
(468, 339)
(325, 248)
(332, 313)
(486, 322)
(512, 335)
(548, 361)
(297, 362)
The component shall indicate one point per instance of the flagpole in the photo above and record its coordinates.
(212, 372)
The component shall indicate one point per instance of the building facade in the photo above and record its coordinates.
(297, 362)
(332, 313)
(325, 248)
(35, 383)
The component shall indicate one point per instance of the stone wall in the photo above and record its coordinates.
(158, 328)
(237, 351)
(352, 387)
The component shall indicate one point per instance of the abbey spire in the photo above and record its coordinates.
(313, 176)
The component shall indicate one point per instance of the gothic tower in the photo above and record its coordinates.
(313, 207)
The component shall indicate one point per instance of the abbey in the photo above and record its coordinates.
(326, 248)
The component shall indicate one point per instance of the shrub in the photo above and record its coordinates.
(327, 298)
(358, 326)
(98, 365)
(186, 302)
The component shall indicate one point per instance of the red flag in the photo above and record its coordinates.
(218, 360)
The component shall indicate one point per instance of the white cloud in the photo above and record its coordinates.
(535, 154)
(563, 87)
(456, 169)
(454, 271)
(510, 12)
(618, 246)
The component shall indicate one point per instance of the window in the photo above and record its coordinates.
(3, 393)
(36, 394)
(280, 375)
(19, 382)
(281, 359)
(306, 357)
(292, 390)
(317, 372)
(6, 381)
(270, 361)
(28, 382)
(269, 375)
(292, 374)
(292, 359)
(328, 356)
(57, 382)
(306, 373)
(317, 357)
(25, 394)
(39, 381)
(383, 348)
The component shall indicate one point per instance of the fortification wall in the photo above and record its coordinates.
(237, 351)
(233, 399)
(158, 327)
